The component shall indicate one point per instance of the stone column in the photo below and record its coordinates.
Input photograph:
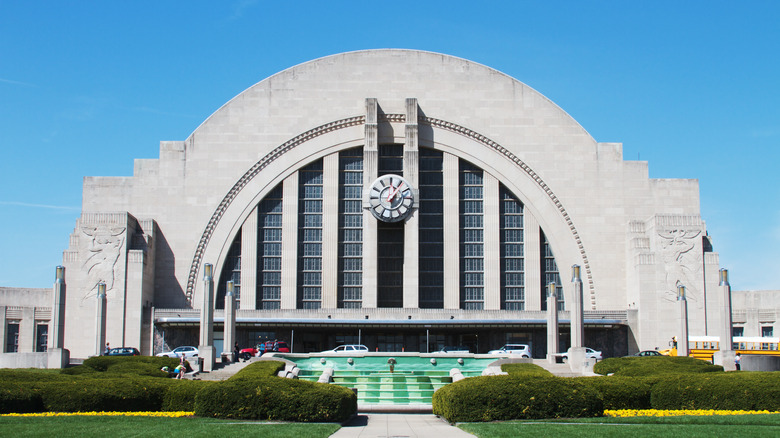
(578, 361)
(206, 348)
(411, 294)
(248, 297)
(330, 235)
(491, 238)
(682, 340)
(552, 323)
(229, 334)
(451, 176)
(100, 320)
(58, 357)
(289, 299)
(370, 233)
(725, 357)
(577, 315)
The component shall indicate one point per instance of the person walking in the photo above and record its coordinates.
(108, 348)
(737, 361)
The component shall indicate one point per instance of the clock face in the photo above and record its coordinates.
(390, 198)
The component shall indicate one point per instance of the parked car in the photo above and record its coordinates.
(124, 351)
(513, 349)
(645, 353)
(348, 349)
(454, 349)
(589, 354)
(178, 351)
(265, 347)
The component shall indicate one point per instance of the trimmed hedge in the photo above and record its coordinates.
(491, 398)
(120, 394)
(19, 398)
(274, 398)
(135, 365)
(621, 392)
(653, 365)
(732, 391)
(259, 369)
(525, 369)
(180, 394)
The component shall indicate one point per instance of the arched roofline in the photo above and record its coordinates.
(207, 250)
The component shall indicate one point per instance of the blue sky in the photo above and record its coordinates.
(691, 87)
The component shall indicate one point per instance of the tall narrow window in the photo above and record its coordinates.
(472, 270)
(550, 273)
(512, 252)
(41, 336)
(269, 254)
(431, 229)
(350, 284)
(12, 337)
(310, 236)
(390, 238)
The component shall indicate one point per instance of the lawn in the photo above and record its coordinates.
(688, 426)
(103, 426)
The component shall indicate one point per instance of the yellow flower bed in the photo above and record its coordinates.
(129, 414)
(676, 412)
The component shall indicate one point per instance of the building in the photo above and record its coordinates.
(402, 199)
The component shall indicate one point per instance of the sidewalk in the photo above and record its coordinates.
(370, 425)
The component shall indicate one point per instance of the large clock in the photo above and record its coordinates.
(390, 198)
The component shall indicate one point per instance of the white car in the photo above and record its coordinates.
(178, 351)
(513, 349)
(589, 354)
(348, 349)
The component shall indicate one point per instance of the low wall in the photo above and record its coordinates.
(756, 362)
(55, 358)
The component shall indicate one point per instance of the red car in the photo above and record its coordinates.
(267, 347)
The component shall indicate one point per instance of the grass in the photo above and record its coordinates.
(689, 426)
(102, 426)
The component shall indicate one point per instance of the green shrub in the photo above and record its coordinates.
(731, 391)
(621, 392)
(135, 365)
(259, 369)
(180, 394)
(120, 394)
(493, 398)
(525, 369)
(653, 365)
(29, 375)
(273, 398)
(19, 398)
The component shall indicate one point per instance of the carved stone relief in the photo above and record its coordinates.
(104, 246)
(682, 260)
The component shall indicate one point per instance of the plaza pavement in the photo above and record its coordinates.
(378, 425)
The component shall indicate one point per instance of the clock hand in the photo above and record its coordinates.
(392, 194)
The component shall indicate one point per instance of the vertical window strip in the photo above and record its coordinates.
(550, 273)
(471, 237)
(431, 229)
(231, 271)
(269, 251)
(310, 236)
(512, 252)
(350, 263)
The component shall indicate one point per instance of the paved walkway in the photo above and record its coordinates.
(370, 425)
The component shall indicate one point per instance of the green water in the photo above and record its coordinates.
(413, 380)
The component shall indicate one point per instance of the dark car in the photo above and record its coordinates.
(124, 351)
(645, 353)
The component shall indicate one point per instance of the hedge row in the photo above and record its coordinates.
(108, 385)
(731, 391)
(653, 366)
(525, 369)
(273, 398)
(493, 398)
